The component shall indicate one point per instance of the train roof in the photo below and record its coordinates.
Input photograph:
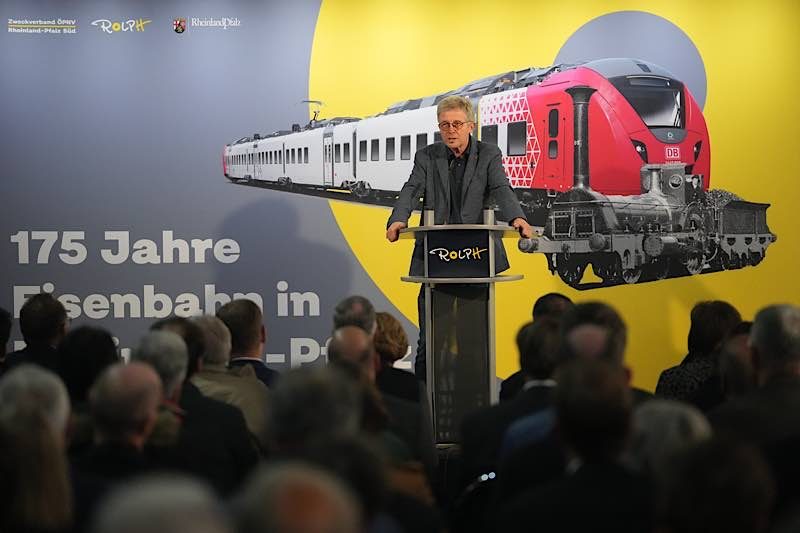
(515, 79)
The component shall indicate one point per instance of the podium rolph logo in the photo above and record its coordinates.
(464, 254)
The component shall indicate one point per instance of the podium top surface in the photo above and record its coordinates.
(500, 228)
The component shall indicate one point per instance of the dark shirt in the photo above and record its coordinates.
(457, 165)
(43, 355)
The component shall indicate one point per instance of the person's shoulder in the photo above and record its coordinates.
(488, 150)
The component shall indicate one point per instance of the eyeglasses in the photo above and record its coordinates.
(456, 125)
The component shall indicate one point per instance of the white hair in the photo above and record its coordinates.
(29, 386)
(217, 339)
(166, 352)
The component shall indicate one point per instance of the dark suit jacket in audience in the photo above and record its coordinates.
(482, 431)
(512, 385)
(412, 424)
(598, 497)
(40, 354)
(213, 443)
(399, 383)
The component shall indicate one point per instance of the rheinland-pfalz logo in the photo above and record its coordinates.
(55, 26)
(179, 25)
(222, 23)
(121, 26)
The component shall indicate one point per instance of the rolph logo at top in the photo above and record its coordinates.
(110, 26)
(464, 254)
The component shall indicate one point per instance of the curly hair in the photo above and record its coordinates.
(391, 341)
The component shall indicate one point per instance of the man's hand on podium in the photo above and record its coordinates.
(393, 231)
(522, 226)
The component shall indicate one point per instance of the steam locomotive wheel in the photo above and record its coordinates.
(570, 268)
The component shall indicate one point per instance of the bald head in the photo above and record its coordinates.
(124, 402)
(352, 346)
(587, 341)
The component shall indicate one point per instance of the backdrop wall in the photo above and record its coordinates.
(113, 133)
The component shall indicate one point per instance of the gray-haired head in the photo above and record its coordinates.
(662, 429)
(775, 338)
(166, 352)
(217, 339)
(312, 403)
(355, 311)
(297, 497)
(32, 387)
(162, 505)
(124, 402)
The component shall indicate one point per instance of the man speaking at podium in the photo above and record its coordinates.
(456, 178)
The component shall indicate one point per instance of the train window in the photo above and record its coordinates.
(552, 123)
(362, 150)
(286, 156)
(346, 152)
(489, 134)
(422, 140)
(293, 159)
(337, 153)
(517, 138)
(390, 148)
(437, 137)
(305, 154)
(405, 147)
(552, 149)
(374, 150)
(269, 157)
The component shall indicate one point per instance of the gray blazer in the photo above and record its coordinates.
(485, 183)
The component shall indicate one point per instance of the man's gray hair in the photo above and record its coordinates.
(448, 103)
(312, 403)
(32, 387)
(217, 339)
(776, 334)
(162, 504)
(166, 352)
(663, 428)
(271, 502)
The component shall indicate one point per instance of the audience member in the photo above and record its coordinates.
(35, 491)
(248, 337)
(294, 497)
(31, 387)
(312, 403)
(482, 431)
(551, 305)
(82, 356)
(717, 486)
(769, 416)
(162, 505)
(391, 343)
(236, 386)
(124, 404)
(355, 311)
(711, 323)
(737, 374)
(593, 414)
(351, 348)
(661, 430)
(43, 323)
(213, 442)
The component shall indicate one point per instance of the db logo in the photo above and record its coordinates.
(672, 152)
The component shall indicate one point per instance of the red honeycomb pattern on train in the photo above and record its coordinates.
(512, 106)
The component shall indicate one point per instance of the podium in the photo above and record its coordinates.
(459, 286)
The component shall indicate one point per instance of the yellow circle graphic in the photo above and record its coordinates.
(370, 54)
(116, 26)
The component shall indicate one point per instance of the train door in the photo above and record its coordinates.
(258, 162)
(327, 160)
(248, 163)
(553, 149)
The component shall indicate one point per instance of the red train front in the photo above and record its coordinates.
(640, 114)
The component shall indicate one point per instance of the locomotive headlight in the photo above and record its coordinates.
(697, 146)
(641, 149)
